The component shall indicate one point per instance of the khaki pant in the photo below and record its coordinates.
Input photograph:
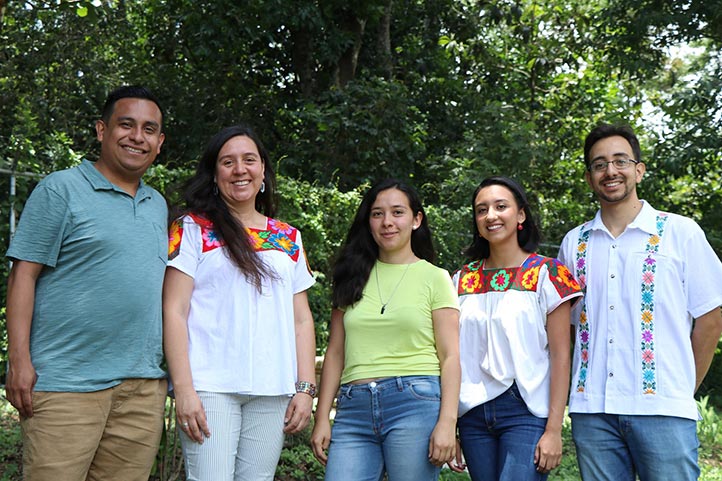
(105, 435)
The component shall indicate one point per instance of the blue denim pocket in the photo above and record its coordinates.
(344, 394)
(514, 393)
(425, 389)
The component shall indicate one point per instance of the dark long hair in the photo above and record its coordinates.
(200, 199)
(359, 252)
(528, 238)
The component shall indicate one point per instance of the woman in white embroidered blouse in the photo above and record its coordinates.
(514, 342)
(238, 332)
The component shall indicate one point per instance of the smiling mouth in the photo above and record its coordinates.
(241, 183)
(133, 150)
(612, 184)
(493, 228)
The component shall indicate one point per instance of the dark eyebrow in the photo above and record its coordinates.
(496, 201)
(132, 119)
(617, 154)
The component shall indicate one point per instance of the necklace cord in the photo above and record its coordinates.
(378, 286)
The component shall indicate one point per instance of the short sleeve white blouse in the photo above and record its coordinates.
(503, 334)
(240, 340)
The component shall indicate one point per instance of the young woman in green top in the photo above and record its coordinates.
(393, 348)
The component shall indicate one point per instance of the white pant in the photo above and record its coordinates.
(246, 438)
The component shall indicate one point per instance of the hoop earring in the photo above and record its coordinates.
(263, 186)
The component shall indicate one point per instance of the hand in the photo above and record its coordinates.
(457, 464)
(321, 439)
(442, 444)
(21, 379)
(548, 453)
(298, 413)
(190, 415)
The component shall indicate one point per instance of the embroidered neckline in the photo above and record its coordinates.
(277, 235)
(473, 279)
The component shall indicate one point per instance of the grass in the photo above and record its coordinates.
(298, 464)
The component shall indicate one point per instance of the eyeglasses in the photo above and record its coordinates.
(621, 164)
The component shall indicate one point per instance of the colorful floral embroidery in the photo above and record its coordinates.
(211, 240)
(474, 280)
(470, 282)
(175, 235)
(277, 236)
(255, 239)
(649, 379)
(500, 280)
(530, 278)
(649, 267)
(583, 329)
(278, 226)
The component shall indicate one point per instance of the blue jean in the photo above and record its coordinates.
(614, 447)
(385, 426)
(499, 438)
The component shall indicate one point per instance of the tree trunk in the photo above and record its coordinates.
(302, 58)
(346, 69)
(384, 42)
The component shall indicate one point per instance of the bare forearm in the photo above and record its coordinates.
(558, 390)
(306, 351)
(20, 305)
(450, 385)
(175, 345)
(330, 381)
(558, 334)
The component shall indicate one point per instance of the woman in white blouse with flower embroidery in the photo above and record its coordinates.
(238, 332)
(514, 342)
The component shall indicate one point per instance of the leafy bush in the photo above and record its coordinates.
(297, 462)
(709, 431)
(10, 442)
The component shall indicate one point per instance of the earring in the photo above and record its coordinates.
(519, 227)
(215, 189)
(414, 227)
(263, 186)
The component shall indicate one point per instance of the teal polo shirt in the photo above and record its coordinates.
(97, 318)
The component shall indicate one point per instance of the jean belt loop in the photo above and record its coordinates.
(399, 383)
(346, 390)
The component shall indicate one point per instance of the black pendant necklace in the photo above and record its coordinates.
(378, 287)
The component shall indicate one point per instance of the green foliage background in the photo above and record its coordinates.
(441, 93)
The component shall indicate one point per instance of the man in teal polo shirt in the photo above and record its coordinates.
(84, 307)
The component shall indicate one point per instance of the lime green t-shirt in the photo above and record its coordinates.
(399, 342)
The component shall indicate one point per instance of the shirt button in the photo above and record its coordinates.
(372, 384)
(613, 276)
(614, 246)
(611, 341)
(611, 374)
(611, 308)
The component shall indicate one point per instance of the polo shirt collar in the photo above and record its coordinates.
(99, 182)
